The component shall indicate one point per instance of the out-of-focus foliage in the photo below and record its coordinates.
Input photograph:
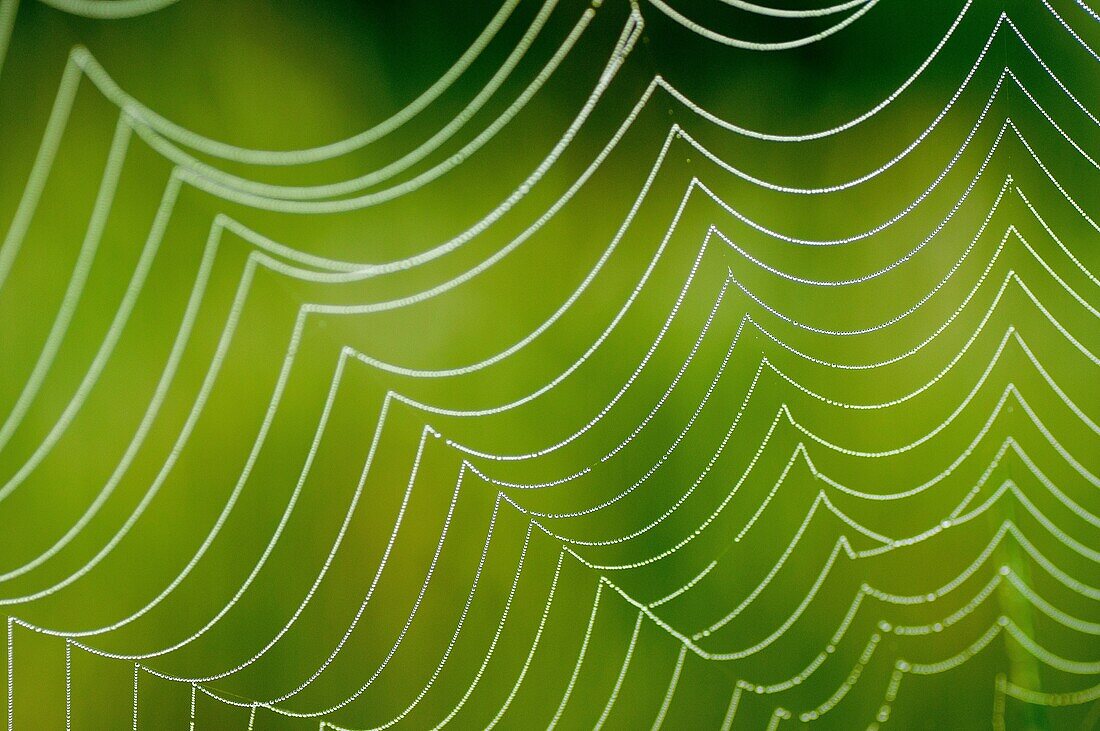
(697, 363)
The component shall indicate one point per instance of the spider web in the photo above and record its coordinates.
(634, 414)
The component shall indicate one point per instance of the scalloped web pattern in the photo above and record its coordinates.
(550, 364)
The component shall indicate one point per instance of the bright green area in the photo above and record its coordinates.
(509, 413)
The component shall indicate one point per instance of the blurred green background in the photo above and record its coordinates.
(301, 431)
